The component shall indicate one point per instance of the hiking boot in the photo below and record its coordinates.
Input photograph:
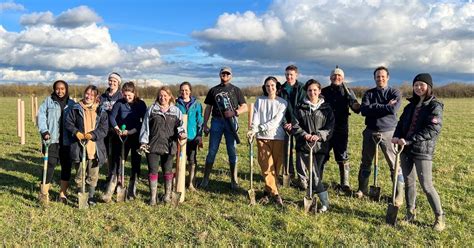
(153, 189)
(359, 194)
(168, 189)
(440, 223)
(205, 180)
(110, 189)
(324, 199)
(43, 195)
(410, 216)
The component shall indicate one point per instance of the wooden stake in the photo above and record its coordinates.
(18, 107)
(22, 138)
(250, 115)
(32, 109)
(36, 111)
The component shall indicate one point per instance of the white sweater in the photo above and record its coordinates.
(268, 117)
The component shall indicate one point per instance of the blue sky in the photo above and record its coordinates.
(173, 41)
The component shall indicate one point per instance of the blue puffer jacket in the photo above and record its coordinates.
(49, 114)
(75, 123)
(195, 119)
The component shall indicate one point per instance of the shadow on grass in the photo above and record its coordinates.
(23, 164)
(18, 186)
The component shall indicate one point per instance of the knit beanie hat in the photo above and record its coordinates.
(116, 76)
(424, 77)
(337, 70)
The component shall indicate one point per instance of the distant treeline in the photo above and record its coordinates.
(452, 90)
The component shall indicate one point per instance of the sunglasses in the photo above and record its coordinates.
(225, 73)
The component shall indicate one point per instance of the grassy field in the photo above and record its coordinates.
(221, 217)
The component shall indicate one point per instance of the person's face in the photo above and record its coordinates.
(164, 98)
(60, 90)
(381, 78)
(420, 88)
(113, 84)
(89, 96)
(291, 76)
(128, 96)
(337, 79)
(271, 87)
(313, 92)
(185, 91)
(225, 76)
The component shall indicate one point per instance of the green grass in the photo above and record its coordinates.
(220, 217)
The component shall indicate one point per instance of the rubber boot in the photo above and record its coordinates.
(132, 188)
(168, 189)
(205, 180)
(234, 181)
(344, 176)
(324, 198)
(400, 191)
(153, 189)
(110, 189)
(191, 179)
(363, 184)
(63, 191)
(91, 199)
(440, 223)
(410, 216)
(43, 196)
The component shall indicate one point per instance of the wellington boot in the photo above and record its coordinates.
(440, 223)
(234, 180)
(153, 189)
(324, 198)
(363, 184)
(110, 189)
(344, 176)
(400, 192)
(43, 196)
(91, 201)
(205, 180)
(63, 191)
(168, 189)
(132, 189)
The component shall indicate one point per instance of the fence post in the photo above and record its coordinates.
(22, 138)
(18, 107)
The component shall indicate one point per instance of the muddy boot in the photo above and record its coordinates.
(205, 180)
(440, 223)
(344, 176)
(132, 189)
(234, 180)
(191, 178)
(110, 189)
(410, 216)
(153, 188)
(400, 191)
(91, 201)
(168, 189)
(43, 196)
(363, 184)
(324, 198)
(63, 191)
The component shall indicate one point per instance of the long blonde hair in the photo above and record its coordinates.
(168, 91)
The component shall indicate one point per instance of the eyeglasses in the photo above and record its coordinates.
(225, 73)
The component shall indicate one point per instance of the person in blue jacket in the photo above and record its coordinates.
(127, 112)
(191, 106)
(51, 127)
(87, 121)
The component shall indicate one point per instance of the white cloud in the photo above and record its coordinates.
(37, 18)
(11, 75)
(10, 5)
(407, 35)
(76, 17)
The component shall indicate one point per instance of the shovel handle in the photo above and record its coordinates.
(45, 159)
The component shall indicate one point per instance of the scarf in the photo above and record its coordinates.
(90, 115)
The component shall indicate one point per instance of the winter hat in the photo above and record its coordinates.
(226, 69)
(116, 76)
(424, 77)
(337, 70)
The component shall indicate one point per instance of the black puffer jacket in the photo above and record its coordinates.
(319, 122)
(422, 140)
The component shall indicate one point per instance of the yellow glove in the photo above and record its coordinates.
(79, 136)
(88, 136)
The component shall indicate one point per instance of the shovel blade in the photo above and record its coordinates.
(391, 217)
(251, 194)
(286, 181)
(83, 197)
(307, 204)
(175, 196)
(374, 193)
(121, 194)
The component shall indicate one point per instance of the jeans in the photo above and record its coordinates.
(220, 127)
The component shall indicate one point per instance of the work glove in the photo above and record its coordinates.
(80, 136)
(88, 136)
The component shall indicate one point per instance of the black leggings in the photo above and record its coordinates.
(58, 155)
(165, 160)
(132, 145)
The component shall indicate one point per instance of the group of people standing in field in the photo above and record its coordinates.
(293, 116)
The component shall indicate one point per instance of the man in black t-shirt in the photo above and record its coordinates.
(226, 102)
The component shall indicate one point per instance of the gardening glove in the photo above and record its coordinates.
(45, 135)
(80, 136)
(88, 136)
(229, 114)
